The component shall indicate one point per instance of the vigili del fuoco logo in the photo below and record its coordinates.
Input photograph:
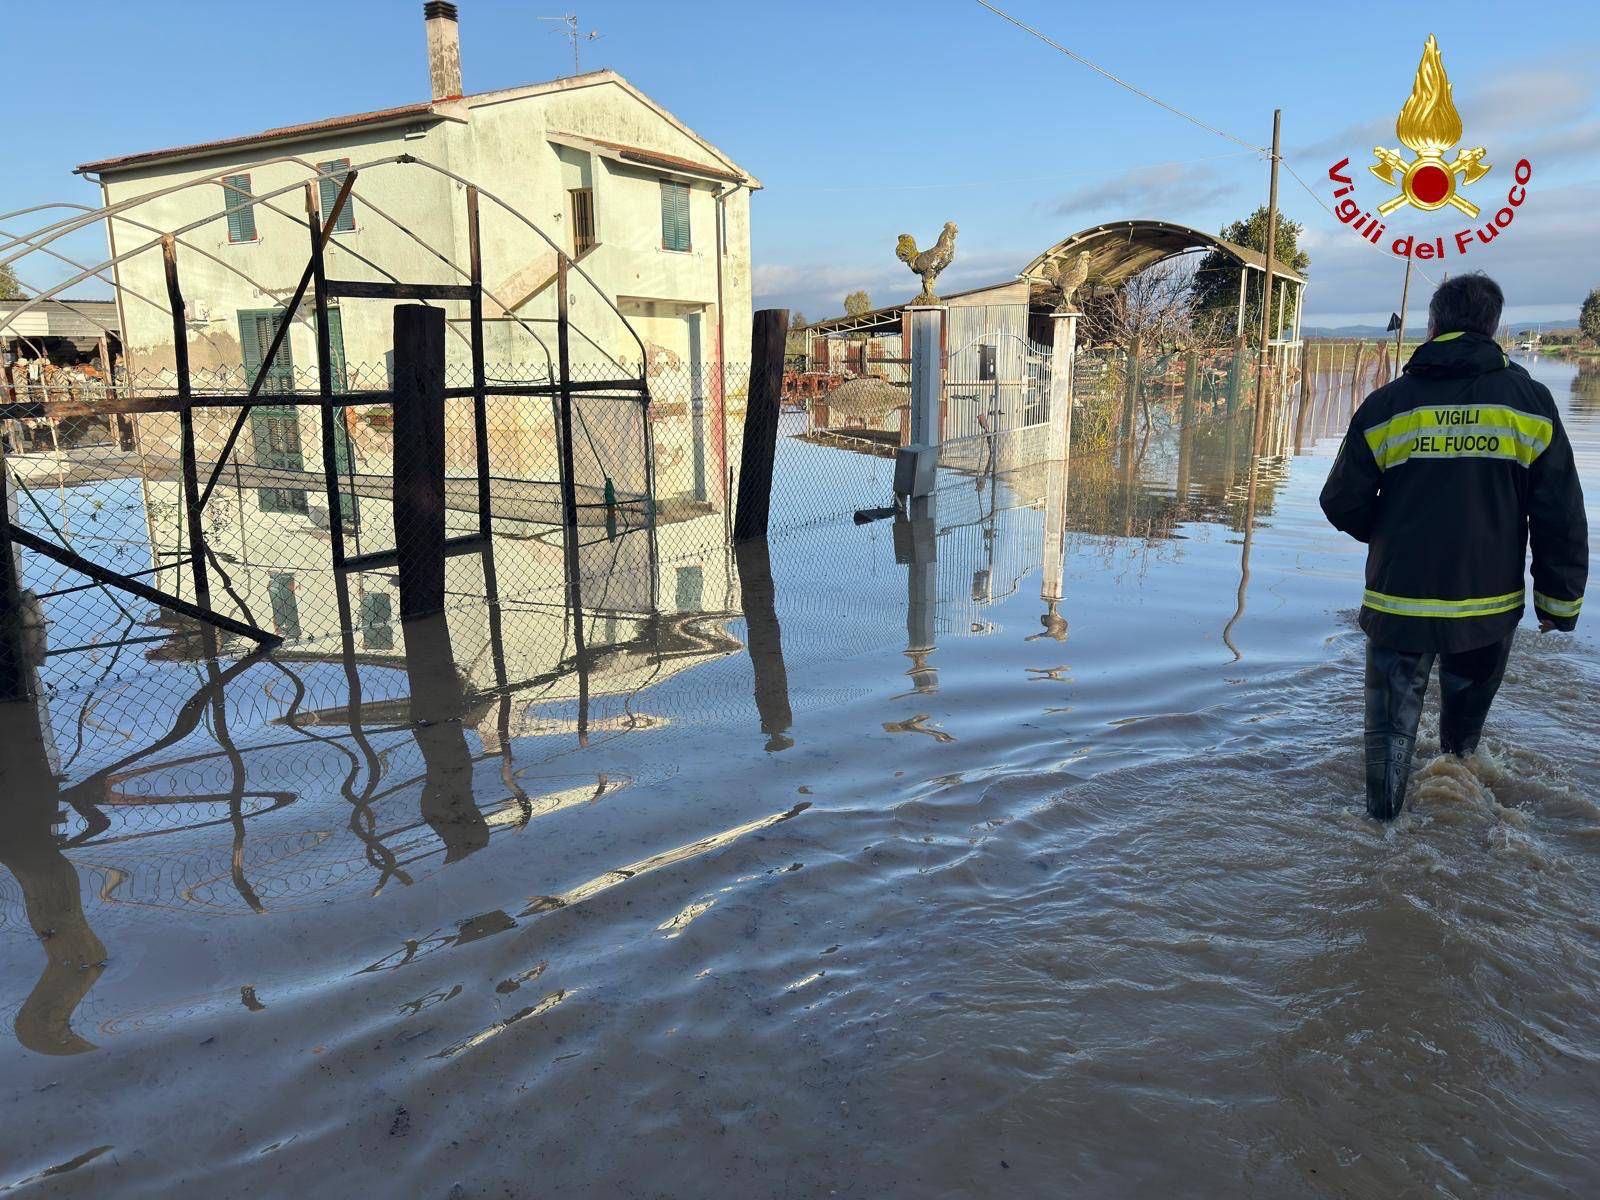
(1430, 127)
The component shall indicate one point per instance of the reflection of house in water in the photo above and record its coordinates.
(272, 569)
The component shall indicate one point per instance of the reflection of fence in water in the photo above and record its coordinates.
(236, 827)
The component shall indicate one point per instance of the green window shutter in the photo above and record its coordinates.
(674, 215)
(285, 604)
(241, 213)
(328, 190)
(257, 327)
(275, 429)
(336, 348)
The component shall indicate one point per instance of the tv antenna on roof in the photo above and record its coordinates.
(570, 20)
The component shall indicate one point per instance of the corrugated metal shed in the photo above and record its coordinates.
(84, 321)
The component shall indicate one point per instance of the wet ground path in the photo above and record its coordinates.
(898, 879)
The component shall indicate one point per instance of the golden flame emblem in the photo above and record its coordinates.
(1428, 126)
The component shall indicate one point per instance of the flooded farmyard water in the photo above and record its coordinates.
(912, 858)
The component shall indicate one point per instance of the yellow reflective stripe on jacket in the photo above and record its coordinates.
(1557, 608)
(1459, 431)
(1448, 337)
(1411, 606)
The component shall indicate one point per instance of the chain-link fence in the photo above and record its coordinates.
(653, 485)
(280, 477)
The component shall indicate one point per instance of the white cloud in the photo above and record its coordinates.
(1543, 107)
(1168, 187)
(1544, 262)
(1529, 98)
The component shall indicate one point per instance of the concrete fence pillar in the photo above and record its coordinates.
(915, 463)
(1063, 361)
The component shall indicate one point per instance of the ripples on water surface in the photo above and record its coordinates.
(900, 881)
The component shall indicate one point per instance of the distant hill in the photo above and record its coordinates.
(1378, 331)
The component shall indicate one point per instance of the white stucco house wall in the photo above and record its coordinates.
(654, 213)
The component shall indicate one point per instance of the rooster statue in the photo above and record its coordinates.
(1069, 277)
(928, 263)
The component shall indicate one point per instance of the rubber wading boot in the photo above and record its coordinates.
(1468, 683)
(1396, 682)
(1388, 773)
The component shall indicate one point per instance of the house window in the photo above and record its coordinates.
(582, 219)
(333, 173)
(674, 215)
(285, 605)
(241, 212)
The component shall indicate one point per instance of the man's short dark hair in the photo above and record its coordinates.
(1469, 303)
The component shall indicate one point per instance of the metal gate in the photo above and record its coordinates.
(996, 383)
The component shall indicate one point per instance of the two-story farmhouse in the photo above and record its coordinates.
(654, 213)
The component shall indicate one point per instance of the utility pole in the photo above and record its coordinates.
(570, 20)
(1400, 334)
(1265, 351)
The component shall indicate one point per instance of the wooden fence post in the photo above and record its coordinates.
(767, 331)
(1355, 377)
(1235, 375)
(1307, 365)
(1130, 397)
(192, 500)
(15, 681)
(419, 458)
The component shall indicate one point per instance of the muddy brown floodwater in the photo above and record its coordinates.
(932, 861)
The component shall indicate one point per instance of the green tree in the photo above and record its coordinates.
(10, 285)
(1589, 316)
(1215, 292)
(856, 303)
(794, 341)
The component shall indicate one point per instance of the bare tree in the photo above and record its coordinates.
(1155, 306)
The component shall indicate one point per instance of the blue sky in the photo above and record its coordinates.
(865, 121)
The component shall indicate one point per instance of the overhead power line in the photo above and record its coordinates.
(1323, 204)
(1171, 108)
(1120, 82)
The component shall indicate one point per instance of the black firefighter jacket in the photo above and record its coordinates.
(1445, 473)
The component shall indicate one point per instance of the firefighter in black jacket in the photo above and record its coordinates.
(1447, 474)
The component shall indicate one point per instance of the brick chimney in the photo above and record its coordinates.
(444, 49)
